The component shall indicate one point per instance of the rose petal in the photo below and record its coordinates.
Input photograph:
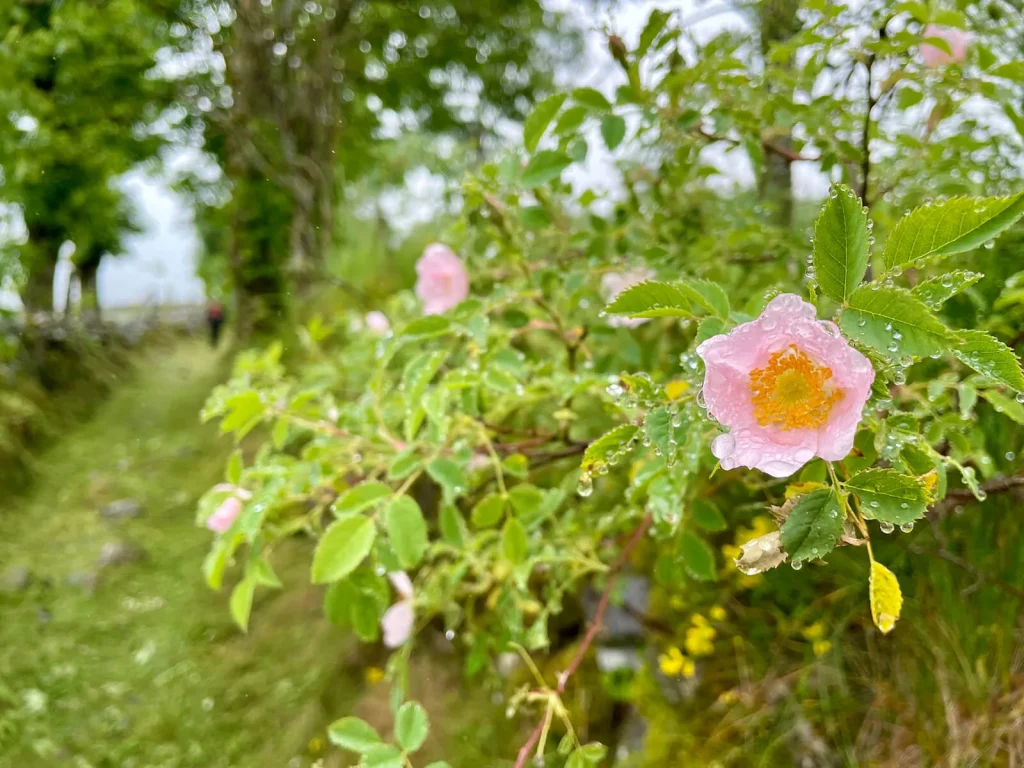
(397, 623)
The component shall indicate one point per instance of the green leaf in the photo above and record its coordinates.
(1004, 405)
(890, 496)
(383, 756)
(449, 475)
(659, 431)
(841, 244)
(952, 226)
(525, 499)
(651, 299)
(698, 557)
(876, 315)
(417, 375)
(591, 97)
(343, 546)
(704, 293)
(241, 602)
(1012, 70)
(262, 573)
(547, 165)
(989, 357)
(708, 328)
(404, 464)
(234, 470)
(407, 530)
(941, 288)
(540, 118)
(813, 527)
(453, 527)
(361, 497)
(411, 726)
(489, 510)
(501, 380)
(613, 130)
(571, 119)
(704, 513)
(655, 24)
(245, 411)
(353, 734)
(513, 541)
(616, 441)
(426, 328)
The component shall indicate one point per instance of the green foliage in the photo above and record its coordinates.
(569, 427)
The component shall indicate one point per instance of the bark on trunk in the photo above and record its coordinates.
(37, 295)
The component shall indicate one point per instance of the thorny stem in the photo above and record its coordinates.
(538, 736)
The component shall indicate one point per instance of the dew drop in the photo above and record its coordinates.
(907, 527)
(886, 527)
(797, 565)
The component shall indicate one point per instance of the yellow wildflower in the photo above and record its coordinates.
(672, 663)
(700, 639)
(717, 613)
(689, 668)
(813, 632)
(675, 389)
(821, 647)
(728, 697)
(374, 675)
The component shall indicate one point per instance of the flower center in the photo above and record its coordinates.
(791, 392)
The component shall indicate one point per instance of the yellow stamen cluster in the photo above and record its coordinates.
(791, 392)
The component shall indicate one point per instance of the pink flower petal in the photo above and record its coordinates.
(402, 583)
(786, 322)
(957, 39)
(225, 515)
(442, 280)
(377, 322)
(397, 623)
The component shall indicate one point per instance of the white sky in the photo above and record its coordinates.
(160, 264)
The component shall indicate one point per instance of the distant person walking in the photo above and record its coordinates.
(215, 319)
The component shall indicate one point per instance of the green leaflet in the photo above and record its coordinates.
(841, 244)
(952, 226)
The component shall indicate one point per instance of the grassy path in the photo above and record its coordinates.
(138, 664)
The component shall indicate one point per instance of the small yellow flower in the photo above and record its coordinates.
(813, 632)
(316, 745)
(717, 613)
(677, 602)
(821, 647)
(672, 663)
(689, 668)
(728, 697)
(698, 620)
(374, 675)
(675, 389)
(700, 639)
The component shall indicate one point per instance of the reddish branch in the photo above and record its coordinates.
(588, 639)
(766, 145)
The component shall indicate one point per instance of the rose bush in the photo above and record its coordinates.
(639, 384)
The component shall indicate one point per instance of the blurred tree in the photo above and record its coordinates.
(113, 218)
(79, 99)
(315, 86)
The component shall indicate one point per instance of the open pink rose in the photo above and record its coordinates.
(442, 280)
(956, 39)
(614, 283)
(788, 386)
(398, 620)
(377, 322)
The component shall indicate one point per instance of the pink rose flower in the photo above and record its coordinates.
(225, 515)
(788, 386)
(442, 280)
(377, 322)
(614, 283)
(397, 622)
(957, 40)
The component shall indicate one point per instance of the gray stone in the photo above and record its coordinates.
(122, 509)
(120, 553)
(17, 578)
(620, 625)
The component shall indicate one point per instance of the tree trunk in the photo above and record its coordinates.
(37, 295)
(90, 307)
(779, 22)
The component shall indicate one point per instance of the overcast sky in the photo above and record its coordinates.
(160, 265)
